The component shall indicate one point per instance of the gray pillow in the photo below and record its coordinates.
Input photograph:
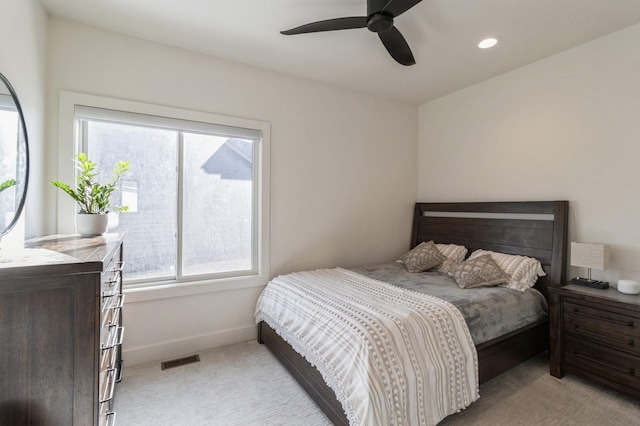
(422, 257)
(481, 271)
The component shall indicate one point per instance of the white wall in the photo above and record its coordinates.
(566, 127)
(343, 169)
(23, 27)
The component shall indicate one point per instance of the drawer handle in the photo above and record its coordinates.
(119, 266)
(111, 418)
(112, 386)
(577, 312)
(114, 341)
(110, 293)
(108, 360)
(577, 329)
(631, 371)
(115, 280)
(110, 305)
(119, 304)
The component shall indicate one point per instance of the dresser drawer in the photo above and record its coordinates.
(609, 328)
(107, 363)
(110, 289)
(110, 309)
(608, 364)
(108, 359)
(112, 275)
(112, 337)
(105, 415)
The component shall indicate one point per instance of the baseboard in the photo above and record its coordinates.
(190, 345)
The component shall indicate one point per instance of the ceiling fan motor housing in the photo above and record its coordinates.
(379, 22)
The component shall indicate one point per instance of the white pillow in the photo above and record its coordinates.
(453, 251)
(523, 271)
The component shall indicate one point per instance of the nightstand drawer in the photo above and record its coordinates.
(608, 364)
(609, 328)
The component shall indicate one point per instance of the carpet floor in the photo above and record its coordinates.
(243, 384)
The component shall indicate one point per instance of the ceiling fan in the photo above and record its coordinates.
(379, 19)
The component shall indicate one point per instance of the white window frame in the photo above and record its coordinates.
(69, 145)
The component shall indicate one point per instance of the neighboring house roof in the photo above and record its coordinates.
(232, 161)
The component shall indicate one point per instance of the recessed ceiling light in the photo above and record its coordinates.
(487, 43)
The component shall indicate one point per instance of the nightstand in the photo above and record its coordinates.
(595, 334)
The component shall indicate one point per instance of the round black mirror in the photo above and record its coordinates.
(14, 157)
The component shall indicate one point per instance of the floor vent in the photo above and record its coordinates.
(180, 361)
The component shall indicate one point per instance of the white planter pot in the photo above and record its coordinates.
(92, 224)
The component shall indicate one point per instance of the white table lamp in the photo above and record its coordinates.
(590, 256)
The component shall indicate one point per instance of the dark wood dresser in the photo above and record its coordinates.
(596, 334)
(60, 330)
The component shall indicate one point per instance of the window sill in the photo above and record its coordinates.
(170, 289)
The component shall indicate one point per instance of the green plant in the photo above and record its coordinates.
(7, 184)
(91, 196)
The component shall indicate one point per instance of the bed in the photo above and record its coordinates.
(535, 229)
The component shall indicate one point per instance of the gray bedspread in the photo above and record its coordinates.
(490, 312)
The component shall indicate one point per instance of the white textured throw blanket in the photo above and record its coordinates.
(392, 356)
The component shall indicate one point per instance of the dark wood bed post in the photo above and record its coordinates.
(558, 276)
(560, 230)
(535, 238)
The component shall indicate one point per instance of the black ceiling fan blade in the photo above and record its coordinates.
(398, 7)
(397, 46)
(329, 25)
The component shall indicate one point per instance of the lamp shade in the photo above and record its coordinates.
(590, 255)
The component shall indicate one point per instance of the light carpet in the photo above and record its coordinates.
(244, 384)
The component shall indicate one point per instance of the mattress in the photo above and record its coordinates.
(489, 312)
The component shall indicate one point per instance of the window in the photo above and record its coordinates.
(194, 193)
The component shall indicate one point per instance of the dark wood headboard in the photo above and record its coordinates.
(534, 228)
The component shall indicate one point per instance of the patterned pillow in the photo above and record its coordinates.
(481, 271)
(455, 253)
(422, 257)
(523, 271)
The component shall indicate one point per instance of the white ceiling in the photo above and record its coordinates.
(443, 35)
